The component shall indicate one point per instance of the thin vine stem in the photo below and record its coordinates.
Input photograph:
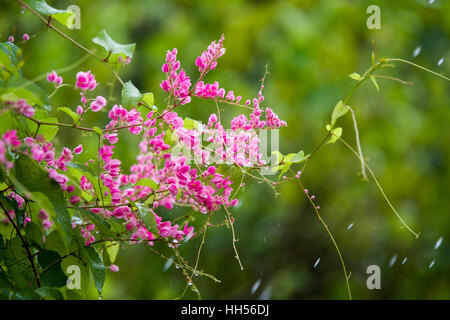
(380, 188)
(419, 67)
(311, 201)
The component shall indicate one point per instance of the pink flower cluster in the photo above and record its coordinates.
(122, 117)
(177, 84)
(98, 104)
(174, 180)
(20, 201)
(9, 140)
(22, 107)
(212, 91)
(86, 232)
(44, 217)
(272, 120)
(54, 78)
(208, 59)
(86, 81)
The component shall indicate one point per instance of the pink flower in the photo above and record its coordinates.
(53, 77)
(85, 184)
(98, 104)
(25, 37)
(21, 106)
(75, 199)
(230, 96)
(78, 149)
(47, 224)
(188, 230)
(113, 268)
(10, 138)
(86, 81)
(43, 215)
(11, 39)
(111, 137)
(80, 110)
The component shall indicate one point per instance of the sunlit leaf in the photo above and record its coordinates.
(339, 110)
(114, 49)
(75, 117)
(65, 17)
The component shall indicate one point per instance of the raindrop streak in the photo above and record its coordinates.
(256, 286)
(392, 261)
(317, 262)
(431, 264)
(266, 294)
(168, 264)
(440, 62)
(404, 260)
(438, 243)
(350, 226)
(416, 51)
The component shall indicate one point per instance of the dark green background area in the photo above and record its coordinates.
(311, 47)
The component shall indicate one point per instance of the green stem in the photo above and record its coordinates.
(380, 188)
(418, 66)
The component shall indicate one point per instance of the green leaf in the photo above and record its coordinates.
(130, 95)
(75, 117)
(278, 156)
(35, 179)
(98, 131)
(337, 133)
(65, 17)
(85, 278)
(112, 249)
(5, 122)
(284, 168)
(16, 261)
(117, 50)
(189, 124)
(374, 81)
(53, 242)
(148, 98)
(77, 173)
(52, 293)
(355, 76)
(100, 222)
(34, 234)
(97, 267)
(30, 91)
(51, 274)
(299, 157)
(10, 58)
(339, 110)
(147, 183)
(148, 217)
(48, 131)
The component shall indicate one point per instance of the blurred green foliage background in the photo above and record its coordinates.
(311, 46)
